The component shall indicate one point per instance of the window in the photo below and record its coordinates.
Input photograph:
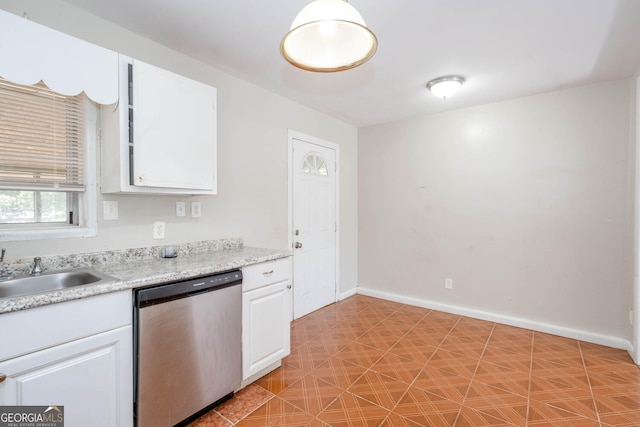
(44, 146)
(314, 163)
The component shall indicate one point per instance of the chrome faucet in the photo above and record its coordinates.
(3, 274)
(37, 267)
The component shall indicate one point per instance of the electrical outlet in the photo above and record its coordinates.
(158, 230)
(196, 209)
(181, 209)
(448, 283)
(110, 210)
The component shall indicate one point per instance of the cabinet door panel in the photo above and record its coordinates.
(91, 378)
(266, 331)
(174, 130)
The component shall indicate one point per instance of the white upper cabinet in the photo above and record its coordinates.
(161, 138)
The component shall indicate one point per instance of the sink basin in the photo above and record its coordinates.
(53, 281)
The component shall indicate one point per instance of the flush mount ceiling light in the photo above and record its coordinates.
(444, 87)
(328, 36)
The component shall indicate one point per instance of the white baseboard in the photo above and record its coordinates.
(347, 294)
(577, 334)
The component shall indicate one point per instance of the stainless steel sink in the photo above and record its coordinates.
(53, 281)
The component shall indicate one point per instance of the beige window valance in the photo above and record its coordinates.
(30, 52)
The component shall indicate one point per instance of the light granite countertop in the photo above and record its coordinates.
(145, 267)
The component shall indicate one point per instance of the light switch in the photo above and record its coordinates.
(181, 209)
(110, 210)
(196, 211)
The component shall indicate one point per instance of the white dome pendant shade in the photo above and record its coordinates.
(328, 36)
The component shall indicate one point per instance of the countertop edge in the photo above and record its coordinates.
(164, 271)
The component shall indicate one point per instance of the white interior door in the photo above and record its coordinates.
(314, 226)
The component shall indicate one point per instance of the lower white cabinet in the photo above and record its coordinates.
(76, 354)
(89, 377)
(266, 314)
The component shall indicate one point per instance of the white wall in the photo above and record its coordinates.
(252, 157)
(526, 204)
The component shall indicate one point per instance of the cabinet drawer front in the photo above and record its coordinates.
(266, 273)
(26, 331)
(89, 376)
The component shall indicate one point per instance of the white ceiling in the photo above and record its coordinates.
(504, 48)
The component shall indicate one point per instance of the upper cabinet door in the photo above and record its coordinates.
(174, 130)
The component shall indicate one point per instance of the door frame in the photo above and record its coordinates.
(291, 135)
(635, 315)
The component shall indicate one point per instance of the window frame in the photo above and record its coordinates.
(87, 200)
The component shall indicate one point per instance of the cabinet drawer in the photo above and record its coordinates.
(265, 273)
(26, 331)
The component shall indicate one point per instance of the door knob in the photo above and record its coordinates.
(297, 245)
(2, 377)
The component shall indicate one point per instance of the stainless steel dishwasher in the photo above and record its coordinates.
(187, 348)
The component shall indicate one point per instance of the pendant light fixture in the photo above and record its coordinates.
(444, 87)
(328, 36)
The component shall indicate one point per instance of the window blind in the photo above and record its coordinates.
(41, 139)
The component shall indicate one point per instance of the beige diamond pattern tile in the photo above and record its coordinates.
(617, 400)
(353, 411)
(443, 383)
(627, 419)
(464, 346)
(330, 342)
(311, 394)
(413, 349)
(360, 354)
(278, 412)
(498, 403)
(420, 335)
(397, 328)
(379, 389)
(406, 317)
(395, 420)
(353, 328)
(378, 338)
(604, 354)
(370, 362)
(306, 358)
(339, 372)
(630, 380)
(374, 315)
(454, 363)
(280, 378)
(394, 366)
(469, 417)
(503, 377)
(427, 409)
(544, 414)
(507, 360)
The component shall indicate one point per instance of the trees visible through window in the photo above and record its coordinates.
(42, 149)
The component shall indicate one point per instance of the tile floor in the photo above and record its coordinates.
(370, 362)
